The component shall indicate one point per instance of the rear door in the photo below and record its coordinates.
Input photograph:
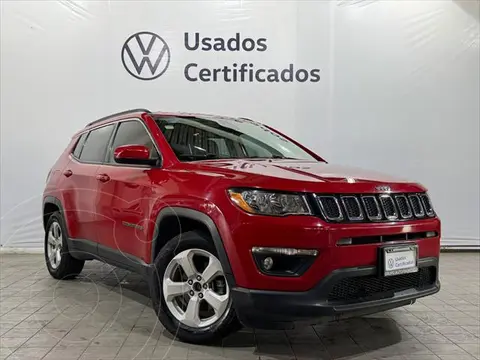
(81, 184)
(125, 198)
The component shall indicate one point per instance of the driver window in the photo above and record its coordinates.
(133, 132)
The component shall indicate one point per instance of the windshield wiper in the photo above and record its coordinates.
(192, 157)
(272, 157)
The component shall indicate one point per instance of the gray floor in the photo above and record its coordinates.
(105, 315)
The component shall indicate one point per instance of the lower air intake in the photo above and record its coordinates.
(364, 288)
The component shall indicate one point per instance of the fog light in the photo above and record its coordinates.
(283, 261)
(430, 234)
(267, 263)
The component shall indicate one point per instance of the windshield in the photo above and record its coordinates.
(194, 138)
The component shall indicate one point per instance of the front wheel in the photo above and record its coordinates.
(190, 292)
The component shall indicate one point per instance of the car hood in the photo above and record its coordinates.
(302, 171)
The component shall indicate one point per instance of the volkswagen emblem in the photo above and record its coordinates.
(391, 262)
(145, 55)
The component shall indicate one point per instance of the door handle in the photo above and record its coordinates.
(68, 173)
(103, 177)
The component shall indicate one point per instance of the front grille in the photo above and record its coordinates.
(352, 208)
(403, 206)
(416, 205)
(382, 207)
(427, 204)
(389, 208)
(372, 208)
(330, 208)
(372, 287)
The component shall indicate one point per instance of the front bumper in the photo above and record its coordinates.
(284, 310)
(308, 232)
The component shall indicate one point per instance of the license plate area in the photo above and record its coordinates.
(397, 260)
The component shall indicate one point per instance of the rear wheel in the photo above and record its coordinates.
(191, 295)
(60, 264)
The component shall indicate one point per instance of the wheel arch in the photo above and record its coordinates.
(50, 205)
(192, 217)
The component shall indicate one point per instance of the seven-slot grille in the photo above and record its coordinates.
(381, 207)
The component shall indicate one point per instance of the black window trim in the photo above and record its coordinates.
(77, 143)
(110, 144)
(88, 135)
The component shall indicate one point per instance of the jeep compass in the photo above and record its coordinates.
(233, 223)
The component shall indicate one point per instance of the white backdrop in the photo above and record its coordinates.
(399, 88)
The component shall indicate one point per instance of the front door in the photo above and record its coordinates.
(125, 198)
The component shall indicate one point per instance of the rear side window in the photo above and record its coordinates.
(133, 133)
(95, 146)
(79, 146)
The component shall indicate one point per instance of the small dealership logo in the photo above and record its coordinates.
(384, 188)
(391, 262)
(145, 55)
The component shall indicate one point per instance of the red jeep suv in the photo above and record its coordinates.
(233, 223)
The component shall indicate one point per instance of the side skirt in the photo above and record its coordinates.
(88, 250)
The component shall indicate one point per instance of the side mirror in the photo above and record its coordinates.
(133, 154)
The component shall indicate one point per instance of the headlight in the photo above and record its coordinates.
(270, 203)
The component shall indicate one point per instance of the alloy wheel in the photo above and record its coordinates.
(195, 288)
(54, 246)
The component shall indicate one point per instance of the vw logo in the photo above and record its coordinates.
(145, 55)
(390, 263)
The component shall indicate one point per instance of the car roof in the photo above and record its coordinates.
(138, 112)
(198, 115)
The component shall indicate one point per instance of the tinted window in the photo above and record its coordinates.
(133, 133)
(193, 138)
(189, 141)
(96, 144)
(79, 146)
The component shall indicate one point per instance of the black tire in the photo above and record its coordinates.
(227, 324)
(68, 267)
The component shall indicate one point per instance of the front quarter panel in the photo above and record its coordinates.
(201, 193)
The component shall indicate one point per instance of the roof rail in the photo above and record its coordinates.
(118, 114)
(248, 119)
